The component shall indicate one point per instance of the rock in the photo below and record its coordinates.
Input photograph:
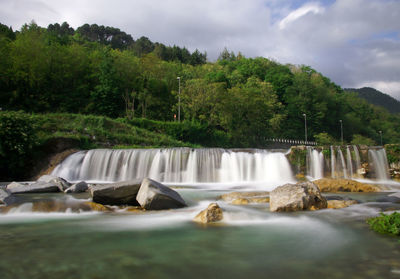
(153, 195)
(294, 197)
(344, 185)
(98, 207)
(37, 187)
(79, 187)
(15, 185)
(120, 193)
(60, 182)
(336, 204)
(251, 197)
(393, 198)
(5, 197)
(240, 201)
(213, 213)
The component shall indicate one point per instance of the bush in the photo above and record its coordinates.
(386, 224)
(17, 138)
(393, 153)
(325, 139)
(359, 139)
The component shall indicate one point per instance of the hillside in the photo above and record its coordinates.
(377, 98)
(235, 101)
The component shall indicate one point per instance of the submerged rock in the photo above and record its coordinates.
(79, 187)
(37, 187)
(5, 197)
(336, 204)
(153, 195)
(97, 207)
(344, 185)
(295, 197)
(120, 193)
(393, 198)
(213, 213)
(246, 197)
(60, 182)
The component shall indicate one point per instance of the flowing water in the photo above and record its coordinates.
(250, 241)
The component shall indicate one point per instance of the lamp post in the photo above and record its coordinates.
(305, 126)
(380, 132)
(341, 130)
(179, 99)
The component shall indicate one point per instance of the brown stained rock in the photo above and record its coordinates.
(250, 196)
(295, 197)
(344, 185)
(240, 201)
(336, 204)
(93, 206)
(213, 213)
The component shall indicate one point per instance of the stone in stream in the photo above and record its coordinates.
(60, 182)
(245, 197)
(153, 195)
(393, 198)
(344, 185)
(5, 197)
(79, 187)
(336, 204)
(295, 197)
(119, 193)
(37, 187)
(213, 213)
(15, 185)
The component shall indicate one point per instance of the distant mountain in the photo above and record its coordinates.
(377, 98)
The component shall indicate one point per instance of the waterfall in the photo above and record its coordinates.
(358, 160)
(378, 162)
(349, 162)
(333, 163)
(177, 165)
(315, 163)
(339, 169)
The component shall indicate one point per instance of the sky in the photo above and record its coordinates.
(355, 43)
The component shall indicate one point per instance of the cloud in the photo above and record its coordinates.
(352, 42)
(314, 8)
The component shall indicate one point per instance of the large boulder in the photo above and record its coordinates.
(295, 197)
(120, 193)
(5, 197)
(344, 185)
(37, 187)
(60, 182)
(213, 213)
(79, 187)
(153, 195)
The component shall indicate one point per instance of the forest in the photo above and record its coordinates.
(98, 70)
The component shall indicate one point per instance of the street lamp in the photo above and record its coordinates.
(179, 99)
(380, 132)
(341, 130)
(305, 126)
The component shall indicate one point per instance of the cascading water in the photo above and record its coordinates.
(333, 163)
(349, 162)
(315, 163)
(379, 164)
(178, 165)
(358, 160)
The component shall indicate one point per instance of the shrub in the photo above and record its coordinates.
(324, 139)
(359, 139)
(386, 224)
(17, 138)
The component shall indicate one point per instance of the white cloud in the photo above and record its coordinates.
(314, 8)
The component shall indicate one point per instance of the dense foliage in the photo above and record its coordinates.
(235, 101)
(386, 224)
(378, 98)
(17, 138)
